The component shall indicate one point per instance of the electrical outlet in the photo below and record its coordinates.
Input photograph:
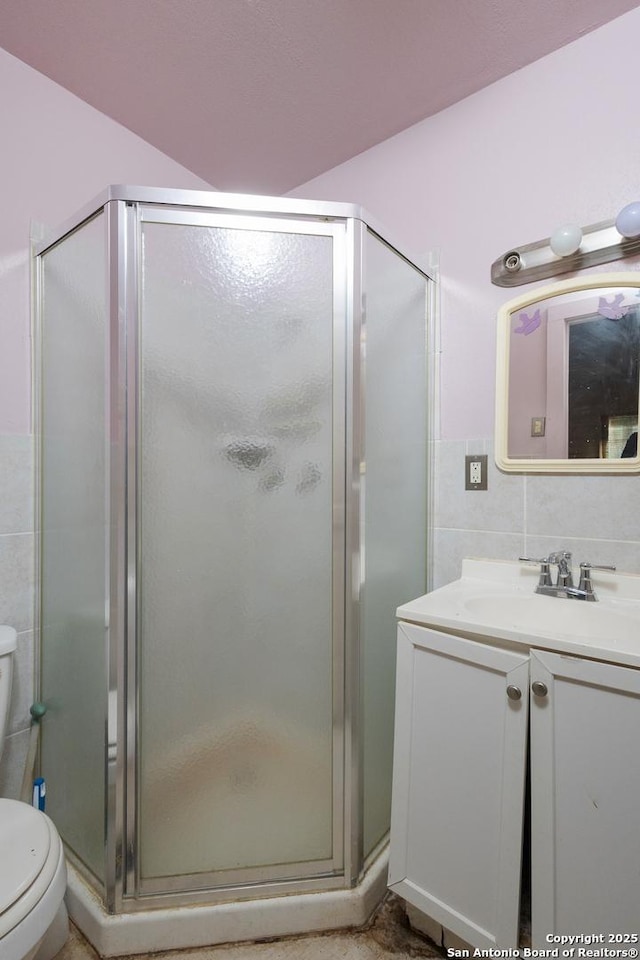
(475, 472)
(538, 426)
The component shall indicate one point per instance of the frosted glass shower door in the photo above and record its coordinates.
(394, 500)
(240, 562)
(73, 537)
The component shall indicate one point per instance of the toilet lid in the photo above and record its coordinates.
(24, 847)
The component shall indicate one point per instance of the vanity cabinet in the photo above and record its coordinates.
(585, 798)
(462, 746)
(459, 783)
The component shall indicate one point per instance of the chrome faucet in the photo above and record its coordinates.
(563, 587)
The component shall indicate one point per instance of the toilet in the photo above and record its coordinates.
(33, 917)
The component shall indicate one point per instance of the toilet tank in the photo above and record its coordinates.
(8, 642)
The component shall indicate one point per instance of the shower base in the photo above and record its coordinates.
(233, 922)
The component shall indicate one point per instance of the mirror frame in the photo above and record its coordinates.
(571, 466)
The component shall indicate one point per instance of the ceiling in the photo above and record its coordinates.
(263, 95)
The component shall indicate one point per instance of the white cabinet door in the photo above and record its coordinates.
(585, 796)
(458, 783)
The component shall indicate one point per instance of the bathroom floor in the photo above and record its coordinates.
(387, 937)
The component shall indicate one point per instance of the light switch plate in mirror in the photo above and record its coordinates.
(568, 377)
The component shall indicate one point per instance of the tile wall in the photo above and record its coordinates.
(597, 518)
(16, 595)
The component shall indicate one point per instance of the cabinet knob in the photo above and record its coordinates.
(539, 688)
(514, 693)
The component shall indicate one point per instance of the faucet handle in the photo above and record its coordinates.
(545, 573)
(585, 574)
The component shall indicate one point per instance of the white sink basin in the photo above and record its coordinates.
(497, 599)
(537, 614)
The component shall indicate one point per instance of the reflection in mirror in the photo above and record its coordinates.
(603, 384)
(568, 382)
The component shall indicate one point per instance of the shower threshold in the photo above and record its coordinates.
(177, 928)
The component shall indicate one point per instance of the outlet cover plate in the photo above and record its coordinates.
(475, 471)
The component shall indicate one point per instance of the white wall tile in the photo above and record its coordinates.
(452, 546)
(22, 690)
(16, 596)
(624, 555)
(597, 518)
(12, 764)
(498, 508)
(593, 507)
(16, 483)
(16, 580)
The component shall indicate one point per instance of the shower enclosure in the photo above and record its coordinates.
(232, 401)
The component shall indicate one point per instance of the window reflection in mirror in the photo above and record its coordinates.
(603, 384)
(568, 381)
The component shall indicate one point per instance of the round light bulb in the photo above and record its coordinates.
(628, 220)
(566, 240)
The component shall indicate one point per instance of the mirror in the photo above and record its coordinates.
(568, 379)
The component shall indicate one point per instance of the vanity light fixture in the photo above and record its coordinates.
(628, 220)
(566, 240)
(571, 248)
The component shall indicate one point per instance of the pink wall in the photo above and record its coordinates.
(57, 154)
(556, 142)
